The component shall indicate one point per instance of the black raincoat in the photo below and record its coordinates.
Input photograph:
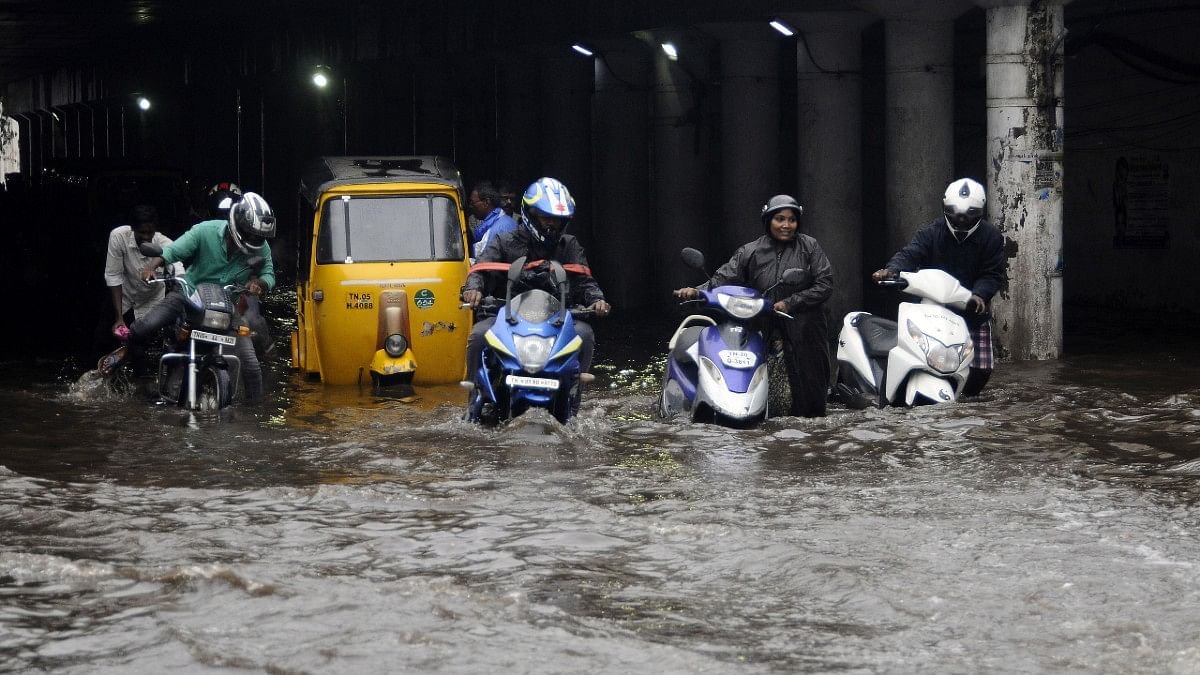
(759, 265)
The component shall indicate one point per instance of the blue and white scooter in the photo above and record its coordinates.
(531, 356)
(717, 370)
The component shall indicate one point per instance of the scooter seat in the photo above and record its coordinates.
(878, 334)
(685, 339)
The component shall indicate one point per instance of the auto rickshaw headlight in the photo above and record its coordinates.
(395, 345)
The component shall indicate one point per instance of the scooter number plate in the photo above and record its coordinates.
(735, 358)
(202, 336)
(531, 382)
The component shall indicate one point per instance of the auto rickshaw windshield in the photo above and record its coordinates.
(392, 228)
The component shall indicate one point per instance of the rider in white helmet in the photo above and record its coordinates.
(969, 248)
(223, 252)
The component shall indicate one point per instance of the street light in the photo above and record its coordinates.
(143, 103)
(670, 50)
(321, 77)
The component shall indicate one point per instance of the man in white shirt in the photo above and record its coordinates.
(131, 297)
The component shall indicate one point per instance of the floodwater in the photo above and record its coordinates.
(1048, 526)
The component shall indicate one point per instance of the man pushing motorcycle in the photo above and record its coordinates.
(221, 252)
(546, 209)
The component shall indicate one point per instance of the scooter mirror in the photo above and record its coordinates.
(150, 249)
(792, 275)
(692, 258)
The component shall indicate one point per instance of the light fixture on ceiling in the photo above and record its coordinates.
(782, 27)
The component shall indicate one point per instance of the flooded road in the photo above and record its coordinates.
(1049, 526)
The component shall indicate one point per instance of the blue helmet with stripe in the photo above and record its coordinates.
(546, 209)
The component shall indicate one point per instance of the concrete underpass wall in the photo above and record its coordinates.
(1132, 166)
(412, 89)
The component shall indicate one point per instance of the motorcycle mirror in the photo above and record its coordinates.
(560, 275)
(515, 269)
(693, 258)
(150, 249)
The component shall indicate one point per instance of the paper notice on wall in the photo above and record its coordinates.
(1141, 200)
(10, 147)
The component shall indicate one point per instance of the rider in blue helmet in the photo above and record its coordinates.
(546, 209)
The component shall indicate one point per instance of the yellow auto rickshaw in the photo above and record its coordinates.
(382, 256)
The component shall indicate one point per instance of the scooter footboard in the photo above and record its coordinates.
(929, 387)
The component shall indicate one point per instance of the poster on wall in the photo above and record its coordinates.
(10, 146)
(1141, 196)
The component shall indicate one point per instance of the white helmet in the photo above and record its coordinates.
(251, 222)
(963, 206)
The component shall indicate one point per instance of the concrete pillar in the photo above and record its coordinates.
(919, 115)
(919, 132)
(622, 256)
(567, 152)
(679, 164)
(829, 135)
(1024, 146)
(749, 78)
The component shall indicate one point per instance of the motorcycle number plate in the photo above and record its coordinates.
(213, 337)
(736, 358)
(531, 382)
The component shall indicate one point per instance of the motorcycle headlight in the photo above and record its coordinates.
(942, 358)
(395, 345)
(533, 351)
(713, 371)
(216, 320)
(742, 308)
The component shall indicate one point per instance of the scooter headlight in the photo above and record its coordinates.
(713, 371)
(533, 351)
(741, 308)
(759, 375)
(942, 358)
(395, 345)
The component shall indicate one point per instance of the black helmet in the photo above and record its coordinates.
(221, 197)
(251, 222)
(778, 203)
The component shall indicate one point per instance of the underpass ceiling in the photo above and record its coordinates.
(37, 36)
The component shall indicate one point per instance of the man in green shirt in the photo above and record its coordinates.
(219, 252)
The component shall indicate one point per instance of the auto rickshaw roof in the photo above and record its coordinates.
(325, 173)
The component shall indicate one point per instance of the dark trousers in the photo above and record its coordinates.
(476, 340)
(806, 357)
(171, 308)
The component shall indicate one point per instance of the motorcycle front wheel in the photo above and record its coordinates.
(213, 390)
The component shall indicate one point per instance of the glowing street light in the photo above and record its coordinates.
(143, 103)
(670, 50)
(783, 28)
(320, 79)
(582, 49)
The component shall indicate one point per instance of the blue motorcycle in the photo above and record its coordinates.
(531, 355)
(717, 369)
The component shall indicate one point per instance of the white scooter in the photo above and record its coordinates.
(922, 357)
